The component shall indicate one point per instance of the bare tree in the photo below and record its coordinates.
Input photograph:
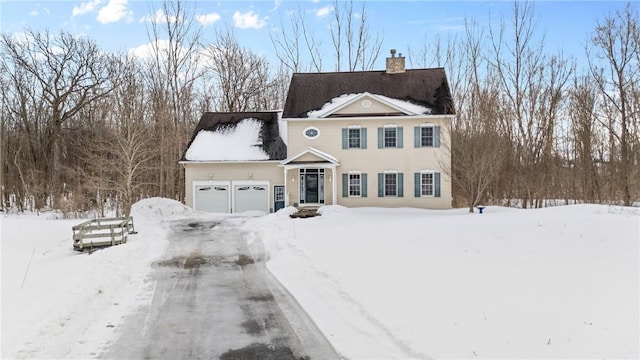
(296, 45)
(352, 41)
(68, 74)
(583, 112)
(240, 76)
(532, 85)
(174, 69)
(614, 66)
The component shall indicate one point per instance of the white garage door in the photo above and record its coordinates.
(212, 198)
(251, 197)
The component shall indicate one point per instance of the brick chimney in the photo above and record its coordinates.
(395, 65)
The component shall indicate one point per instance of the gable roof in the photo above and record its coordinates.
(323, 156)
(268, 142)
(426, 87)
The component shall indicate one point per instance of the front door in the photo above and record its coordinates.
(311, 188)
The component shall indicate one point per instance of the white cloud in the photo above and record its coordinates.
(85, 7)
(159, 17)
(207, 19)
(146, 51)
(114, 11)
(324, 12)
(249, 20)
(34, 13)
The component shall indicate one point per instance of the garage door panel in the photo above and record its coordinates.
(212, 198)
(251, 197)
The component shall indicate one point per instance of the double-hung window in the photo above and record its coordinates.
(354, 184)
(390, 184)
(354, 137)
(427, 183)
(427, 135)
(390, 136)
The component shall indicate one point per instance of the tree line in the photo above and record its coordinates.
(84, 129)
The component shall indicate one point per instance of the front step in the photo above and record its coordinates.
(305, 212)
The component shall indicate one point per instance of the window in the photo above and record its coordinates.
(311, 133)
(354, 184)
(390, 184)
(354, 137)
(390, 136)
(278, 193)
(426, 184)
(427, 135)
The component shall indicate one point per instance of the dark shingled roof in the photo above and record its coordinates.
(427, 87)
(272, 143)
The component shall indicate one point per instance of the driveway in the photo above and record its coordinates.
(212, 299)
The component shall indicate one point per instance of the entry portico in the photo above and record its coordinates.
(309, 183)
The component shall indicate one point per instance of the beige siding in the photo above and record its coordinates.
(357, 107)
(372, 160)
(263, 171)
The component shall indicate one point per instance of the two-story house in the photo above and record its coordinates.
(368, 138)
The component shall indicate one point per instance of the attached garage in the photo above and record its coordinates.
(231, 164)
(251, 196)
(212, 196)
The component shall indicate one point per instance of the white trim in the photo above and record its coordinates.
(390, 172)
(365, 118)
(192, 162)
(313, 151)
(354, 127)
(390, 126)
(304, 132)
(354, 172)
(358, 98)
(433, 183)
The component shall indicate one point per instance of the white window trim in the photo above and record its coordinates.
(354, 172)
(304, 132)
(384, 136)
(384, 185)
(427, 125)
(354, 127)
(433, 183)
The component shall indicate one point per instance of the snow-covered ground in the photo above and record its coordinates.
(559, 282)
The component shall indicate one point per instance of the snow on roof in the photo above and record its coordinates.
(341, 100)
(238, 143)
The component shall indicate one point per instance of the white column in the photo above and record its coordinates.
(335, 187)
(286, 187)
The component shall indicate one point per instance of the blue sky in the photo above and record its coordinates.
(119, 25)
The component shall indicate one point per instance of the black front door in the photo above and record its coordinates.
(311, 188)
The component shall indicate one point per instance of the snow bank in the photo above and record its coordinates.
(58, 303)
(560, 282)
(238, 143)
